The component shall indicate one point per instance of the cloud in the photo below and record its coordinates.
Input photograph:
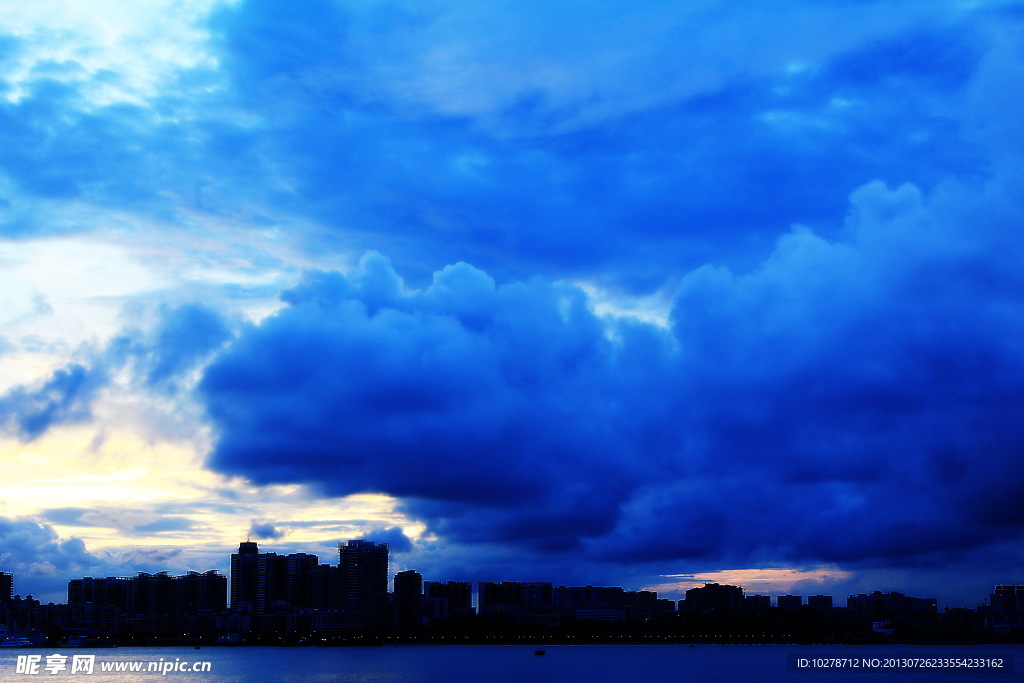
(39, 559)
(538, 138)
(184, 337)
(42, 562)
(848, 401)
(641, 125)
(162, 359)
(64, 398)
(265, 530)
(464, 393)
(398, 542)
(129, 521)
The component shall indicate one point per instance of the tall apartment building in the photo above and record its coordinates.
(243, 577)
(298, 580)
(821, 603)
(363, 582)
(111, 591)
(409, 599)
(151, 594)
(790, 603)
(147, 594)
(267, 582)
(1007, 604)
(713, 598)
(200, 592)
(443, 599)
(756, 604)
(526, 601)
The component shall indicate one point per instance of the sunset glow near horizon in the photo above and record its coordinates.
(640, 294)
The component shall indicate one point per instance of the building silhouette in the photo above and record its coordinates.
(790, 603)
(146, 603)
(289, 599)
(888, 612)
(151, 594)
(111, 591)
(713, 598)
(822, 603)
(443, 599)
(606, 603)
(196, 592)
(522, 601)
(1006, 605)
(408, 599)
(363, 583)
(298, 580)
(756, 604)
(243, 577)
(325, 587)
(6, 587)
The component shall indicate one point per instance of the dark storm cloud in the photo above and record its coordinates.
(847, 401)
(484, 394)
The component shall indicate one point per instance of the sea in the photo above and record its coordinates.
(519, 663)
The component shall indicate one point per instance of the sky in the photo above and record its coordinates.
(623, 293)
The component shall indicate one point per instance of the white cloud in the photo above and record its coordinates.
(136, 46)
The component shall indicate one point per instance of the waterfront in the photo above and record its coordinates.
(508, 663)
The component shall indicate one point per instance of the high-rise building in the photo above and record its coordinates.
(526, 601)
(271, 578)
(270, 583)
(447, 599)
(6, 587)
(821, 603)
(607, 603)
(1007, 604)
(409, 599)
(112, 591)
(325, 586)
(790, 603)
(244, 576)
(195, 592)
(713, 598)
(298, 586)
(151, 594)
(878, 606)
(756, 604)
(363, 578)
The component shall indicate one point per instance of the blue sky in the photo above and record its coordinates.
(634, 294)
